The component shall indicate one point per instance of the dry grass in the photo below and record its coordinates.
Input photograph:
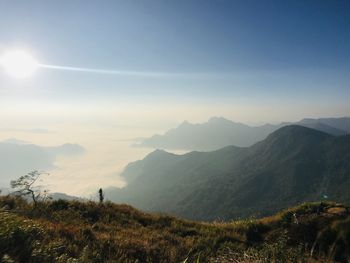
(62, 231)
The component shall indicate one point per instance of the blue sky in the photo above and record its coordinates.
(218, 50)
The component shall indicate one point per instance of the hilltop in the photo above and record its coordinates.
(73, 231)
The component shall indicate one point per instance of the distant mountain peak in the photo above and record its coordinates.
(216, 120)
(298, 130)
(158, 153)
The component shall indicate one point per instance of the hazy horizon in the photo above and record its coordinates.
(108, 149)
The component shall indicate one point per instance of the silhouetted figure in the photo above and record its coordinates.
(101, 195)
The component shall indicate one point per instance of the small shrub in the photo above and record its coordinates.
(254, 233)
(59, 205)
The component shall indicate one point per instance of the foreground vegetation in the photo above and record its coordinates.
(72, 231)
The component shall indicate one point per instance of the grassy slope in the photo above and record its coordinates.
(62, 231)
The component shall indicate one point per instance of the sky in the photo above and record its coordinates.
(249, 61)
(204, 52)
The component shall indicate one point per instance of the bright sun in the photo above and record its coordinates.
(18, 63)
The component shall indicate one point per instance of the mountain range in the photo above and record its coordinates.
(219, 132)
(292, 165)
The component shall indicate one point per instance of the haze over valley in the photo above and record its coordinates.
(100, 154)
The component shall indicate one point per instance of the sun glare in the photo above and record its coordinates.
(18, 63)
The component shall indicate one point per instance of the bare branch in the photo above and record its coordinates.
(25, 185)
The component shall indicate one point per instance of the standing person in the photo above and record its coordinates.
(101, 195)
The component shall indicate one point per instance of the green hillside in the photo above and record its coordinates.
(293, 164)
(72, 231)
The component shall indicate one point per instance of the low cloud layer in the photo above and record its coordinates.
(19, 157)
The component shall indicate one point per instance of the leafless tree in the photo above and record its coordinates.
(26, 185)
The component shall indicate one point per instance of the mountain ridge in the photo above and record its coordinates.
(293, 164)
(218, 132)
